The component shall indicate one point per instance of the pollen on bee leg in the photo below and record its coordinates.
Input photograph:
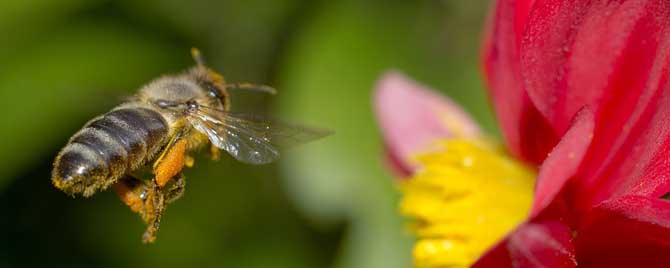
(171, 164)
(132, 193)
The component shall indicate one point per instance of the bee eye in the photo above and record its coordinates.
(212, 91)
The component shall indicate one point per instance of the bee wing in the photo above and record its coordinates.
(249, 138)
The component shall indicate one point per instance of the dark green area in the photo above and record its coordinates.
(326, 204)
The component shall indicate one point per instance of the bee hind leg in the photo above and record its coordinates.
(158, 198)
(133, 192)
(153, 212)
(171, 162)
(166, 169)
(146, 199)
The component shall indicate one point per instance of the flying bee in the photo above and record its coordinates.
(156, 129)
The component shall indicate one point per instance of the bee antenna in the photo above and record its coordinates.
(197, 56)
(253, 87)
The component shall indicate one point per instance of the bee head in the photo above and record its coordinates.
(199, 85)
(214, 86)
(209, 80)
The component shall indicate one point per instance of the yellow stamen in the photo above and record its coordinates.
(464, 198)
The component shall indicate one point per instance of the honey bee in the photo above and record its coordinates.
(154, 131)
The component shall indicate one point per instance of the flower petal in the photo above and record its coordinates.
(563, 161)
(640, 166)
(613, 57)
(527, 134)
(630, 231)
(412, 118)
(595, 53)
(544, 244)
(532, 243)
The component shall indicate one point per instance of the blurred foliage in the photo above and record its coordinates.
(327, 204)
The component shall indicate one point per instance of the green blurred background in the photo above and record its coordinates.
(326, 204)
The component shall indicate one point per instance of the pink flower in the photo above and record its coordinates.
(410, 111)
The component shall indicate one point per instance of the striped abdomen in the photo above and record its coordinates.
(107, 148)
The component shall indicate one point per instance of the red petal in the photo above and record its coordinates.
(640, 165)
(577, 53)
(527, 133)
(545, 244)
(613, 57)
(630, 231)
(413, 117)
(563, 162)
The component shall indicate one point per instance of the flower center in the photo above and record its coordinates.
(464, 198)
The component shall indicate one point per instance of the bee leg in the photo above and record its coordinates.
(157, 199)
(176, 190)
(171, 161)
(169, 164)
(144, 198)
(153, 211)
(132, 192)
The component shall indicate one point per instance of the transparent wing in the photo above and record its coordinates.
(251, 138)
